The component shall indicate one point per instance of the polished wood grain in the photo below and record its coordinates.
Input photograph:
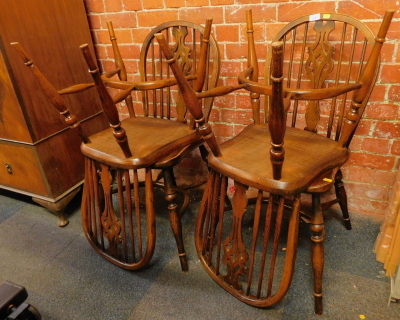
(53, 95)
(157, 138)
(238, 245)
(13, 125)
(50, 31)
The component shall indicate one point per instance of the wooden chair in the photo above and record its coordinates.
(321, 51)
(165, 102)
(244, 249)
(115, 221)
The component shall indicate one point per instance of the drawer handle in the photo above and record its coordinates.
(9, 168)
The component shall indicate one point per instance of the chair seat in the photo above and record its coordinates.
(307, 156)
(323, 183)
(150, 140)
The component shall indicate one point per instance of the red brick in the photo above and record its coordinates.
(199, 15)
(364, 127)
(215, 115)
(235, 51)
(124, 36)
(291, 11)
(221, 2)
(260, 13)
(174, 3)
(375, 145)
(363, 190)
(244, 103)
(102, 36)
(153, 4)
(237, 116)
(95, 6)
(140, 34)
(272, 29)
(367, 206)
(231, 68)
(387, 52)
(395, 150)
(390, 73)
(132, 69)
(358, 174)
(237, 129)
(155, 17)
(388, 130)
(108, 65)
(394, 30)
(356, 142)
(223, 130)
(227, 33)
(124, 19)
(259, 33)
(101, 52)
(371, 161)
(128, 51)
(384, 178)
(275, 1)
(133, 5)
(94, 21)
(382, 111)
(366, 9)
(394, 93)
(113, 5)
(378, 94)
(227, 101)
(194, 3)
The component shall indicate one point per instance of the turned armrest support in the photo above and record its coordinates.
(109, 108)
(277, 112)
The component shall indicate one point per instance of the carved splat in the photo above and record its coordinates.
(235, 252)
(319, 65)
(182, 56)
(110, 222)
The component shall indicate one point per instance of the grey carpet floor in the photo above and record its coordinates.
(67, 280)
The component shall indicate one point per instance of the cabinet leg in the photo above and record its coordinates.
(58, 207)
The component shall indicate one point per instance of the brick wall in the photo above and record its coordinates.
(371, 169)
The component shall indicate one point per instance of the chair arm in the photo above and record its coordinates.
(76, 88)
(296, 94)
(142, 85)
(218, 91)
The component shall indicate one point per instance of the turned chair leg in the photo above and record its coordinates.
(317, 249)
(174, 217)
(342, 198)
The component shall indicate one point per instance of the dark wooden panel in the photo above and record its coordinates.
(51, 31)
(61, 159)
(12, 122)
(24, 172)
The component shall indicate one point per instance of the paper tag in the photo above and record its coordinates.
(314, 17)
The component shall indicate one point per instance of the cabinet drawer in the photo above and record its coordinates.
(20, 169)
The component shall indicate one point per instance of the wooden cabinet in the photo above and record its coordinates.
(39, 155)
